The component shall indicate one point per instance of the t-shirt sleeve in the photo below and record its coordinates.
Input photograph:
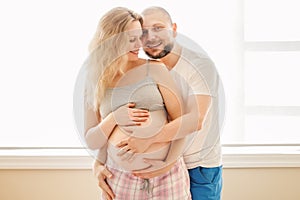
(204, 78)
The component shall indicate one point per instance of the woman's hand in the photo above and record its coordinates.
(127, 115)
(102, 173)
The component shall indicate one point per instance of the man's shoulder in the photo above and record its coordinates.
(194, 54)
(197, 59)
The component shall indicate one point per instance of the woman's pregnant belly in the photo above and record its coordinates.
(158, 151)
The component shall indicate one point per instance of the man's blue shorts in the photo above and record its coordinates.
(206, 183)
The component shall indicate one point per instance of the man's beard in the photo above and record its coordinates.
(167, 49)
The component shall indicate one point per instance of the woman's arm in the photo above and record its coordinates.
(96, 131)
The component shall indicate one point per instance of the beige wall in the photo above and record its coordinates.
(262, 184)
(47, 185)
(239, 184)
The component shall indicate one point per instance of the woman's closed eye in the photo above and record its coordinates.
(133, 39)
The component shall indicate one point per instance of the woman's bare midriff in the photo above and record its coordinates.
(155, 122)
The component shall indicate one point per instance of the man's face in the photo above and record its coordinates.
(157, 39)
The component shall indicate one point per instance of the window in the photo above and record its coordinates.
(271, 62)
(254, 44)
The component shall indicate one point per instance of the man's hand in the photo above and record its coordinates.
(131, 145)
(154, 170)
(127, 115)
(102, 174)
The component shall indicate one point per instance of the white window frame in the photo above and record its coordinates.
(234, 155)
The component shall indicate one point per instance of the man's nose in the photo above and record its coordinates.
(149, 34)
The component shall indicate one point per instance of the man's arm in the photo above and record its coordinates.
(197, 108)
(176, 131)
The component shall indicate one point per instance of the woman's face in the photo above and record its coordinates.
(135, 33)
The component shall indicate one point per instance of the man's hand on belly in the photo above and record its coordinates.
(158, 167)
(131, 145)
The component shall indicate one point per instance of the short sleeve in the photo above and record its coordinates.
(204, 77)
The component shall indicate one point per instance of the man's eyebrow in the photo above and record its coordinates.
(156, 24)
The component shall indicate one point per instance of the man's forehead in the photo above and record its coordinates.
(150, 20)
(154, 23)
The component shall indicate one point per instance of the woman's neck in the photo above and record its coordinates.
(132, 64)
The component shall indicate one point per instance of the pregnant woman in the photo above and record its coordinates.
(117, 79)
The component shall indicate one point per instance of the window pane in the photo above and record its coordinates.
(270, 20)
(36, 104)
(272, 129)
(41, 55)
(272, 78)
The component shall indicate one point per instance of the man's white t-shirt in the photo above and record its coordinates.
(195, 74)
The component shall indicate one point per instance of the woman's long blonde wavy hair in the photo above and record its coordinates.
(108, 53)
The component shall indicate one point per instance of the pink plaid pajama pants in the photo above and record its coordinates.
(173, 185)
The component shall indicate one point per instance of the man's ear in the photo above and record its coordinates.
(174, 28)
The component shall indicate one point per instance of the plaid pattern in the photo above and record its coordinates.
(173, 185)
